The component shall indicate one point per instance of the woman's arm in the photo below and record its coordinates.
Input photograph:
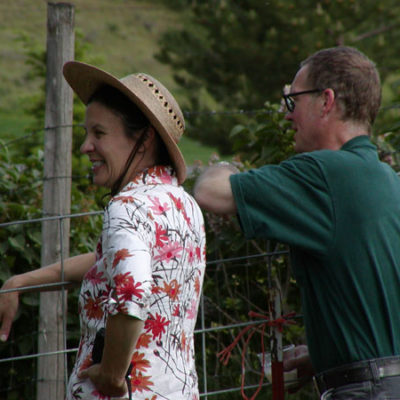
(74, 270)
(122, 333)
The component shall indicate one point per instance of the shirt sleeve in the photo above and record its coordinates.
(127, 254)
(289, 202)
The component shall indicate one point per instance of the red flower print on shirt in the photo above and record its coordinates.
(125, 199)
(180, 207)
(178, 202)
(139, 362)
(93, 308)
(169, 251)
(127, 288)
(140, 382)
(183, 340)
(143, 341)
(158, 208)
(128, 292)
(156, 325)
(159, 172)
(161, 236)
(191, 251)
(123, 279)
(192, 311)
(156, 290)
(172, 289)
(176, 311)
(94, 277)
(120, 255)
(197, 285)
(198, 253)
(150, 215)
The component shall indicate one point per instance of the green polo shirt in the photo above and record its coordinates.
(339, 211)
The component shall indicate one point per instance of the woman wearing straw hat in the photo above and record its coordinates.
(142, 286)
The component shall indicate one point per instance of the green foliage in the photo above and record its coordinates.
(264, 139)
(229, 55)
(21, 188)
(241, 53)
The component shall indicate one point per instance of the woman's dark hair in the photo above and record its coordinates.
(136, 126)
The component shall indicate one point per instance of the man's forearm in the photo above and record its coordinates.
(213, 190)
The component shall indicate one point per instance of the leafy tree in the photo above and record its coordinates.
(241, 53)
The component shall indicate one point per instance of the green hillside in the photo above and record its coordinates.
(122, 36)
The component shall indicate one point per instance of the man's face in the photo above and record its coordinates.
(306, 115)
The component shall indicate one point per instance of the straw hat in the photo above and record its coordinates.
(153, 99)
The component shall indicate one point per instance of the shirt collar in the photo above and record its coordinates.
(157, 175)
(361, 140)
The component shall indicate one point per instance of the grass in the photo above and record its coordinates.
(13, 126)
(122, 38)
(193, 151)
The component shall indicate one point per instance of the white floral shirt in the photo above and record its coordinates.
(150, 262)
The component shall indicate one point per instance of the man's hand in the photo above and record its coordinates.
(103, 384)
(9, 303)
(299, 359)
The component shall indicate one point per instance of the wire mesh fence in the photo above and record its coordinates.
(227, 280)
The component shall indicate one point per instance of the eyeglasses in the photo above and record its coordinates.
(290, 104)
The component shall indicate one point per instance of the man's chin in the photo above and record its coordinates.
(298, 148)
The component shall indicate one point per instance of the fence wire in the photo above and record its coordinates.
(202, 331)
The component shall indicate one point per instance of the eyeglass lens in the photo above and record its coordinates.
(290, 104)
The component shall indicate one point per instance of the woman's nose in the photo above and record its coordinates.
(87, 146)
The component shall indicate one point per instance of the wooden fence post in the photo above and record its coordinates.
(56, 196)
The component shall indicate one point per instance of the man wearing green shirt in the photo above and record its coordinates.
(338, 208)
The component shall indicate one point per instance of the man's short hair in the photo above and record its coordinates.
(353, 77)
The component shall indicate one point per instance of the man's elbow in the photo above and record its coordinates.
(202, 197)
(208, 202)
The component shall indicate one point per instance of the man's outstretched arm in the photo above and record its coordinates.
(213, 189)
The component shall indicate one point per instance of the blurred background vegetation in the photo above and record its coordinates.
(226, 62)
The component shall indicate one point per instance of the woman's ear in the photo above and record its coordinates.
(149, 138)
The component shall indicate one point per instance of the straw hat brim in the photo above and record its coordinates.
(158, 105)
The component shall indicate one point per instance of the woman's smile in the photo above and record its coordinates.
(106, 144)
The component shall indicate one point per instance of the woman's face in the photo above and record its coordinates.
(106, 144)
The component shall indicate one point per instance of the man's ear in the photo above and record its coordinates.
(328, 96)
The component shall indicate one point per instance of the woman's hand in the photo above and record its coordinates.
(122, 332)
(103, 383)
(299, 359)
(9, 303)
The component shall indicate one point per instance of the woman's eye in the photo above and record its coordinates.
(98, 133)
